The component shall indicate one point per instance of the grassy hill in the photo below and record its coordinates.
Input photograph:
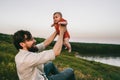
(84, 70)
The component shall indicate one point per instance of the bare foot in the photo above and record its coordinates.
(69, 50)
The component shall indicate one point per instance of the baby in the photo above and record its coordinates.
(59, 21)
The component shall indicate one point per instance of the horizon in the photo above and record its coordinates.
(76, 41)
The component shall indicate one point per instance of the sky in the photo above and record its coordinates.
(94, 21)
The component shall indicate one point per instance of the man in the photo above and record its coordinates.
(32, 64)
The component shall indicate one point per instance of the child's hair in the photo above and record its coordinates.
(58, 13)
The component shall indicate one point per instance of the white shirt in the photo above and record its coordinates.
(30, 65)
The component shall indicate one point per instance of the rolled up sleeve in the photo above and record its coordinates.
(40, 47)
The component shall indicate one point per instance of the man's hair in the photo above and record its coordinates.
(21, 36)
(58, 13)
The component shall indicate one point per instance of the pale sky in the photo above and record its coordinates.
(96, 21)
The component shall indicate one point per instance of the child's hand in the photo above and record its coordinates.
(52, 25)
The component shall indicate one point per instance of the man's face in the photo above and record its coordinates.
(56, 18)
(30, 45)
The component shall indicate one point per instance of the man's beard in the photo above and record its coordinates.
(33, 49)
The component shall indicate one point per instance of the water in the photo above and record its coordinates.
(115, 61)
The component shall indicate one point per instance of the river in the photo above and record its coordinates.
(115, 61)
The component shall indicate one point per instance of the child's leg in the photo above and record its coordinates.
(67, 44)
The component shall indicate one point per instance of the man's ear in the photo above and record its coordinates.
(22, 44)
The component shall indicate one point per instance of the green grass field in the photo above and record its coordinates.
(84, 70)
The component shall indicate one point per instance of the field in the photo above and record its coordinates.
(84, 70)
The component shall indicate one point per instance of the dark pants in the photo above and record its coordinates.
(52, 73)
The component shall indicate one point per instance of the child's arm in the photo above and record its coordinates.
(52, 25)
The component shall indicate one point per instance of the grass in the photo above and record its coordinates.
(87, 70)
(84, 70)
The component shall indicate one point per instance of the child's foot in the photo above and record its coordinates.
(69, 50)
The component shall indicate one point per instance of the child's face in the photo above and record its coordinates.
(56, 18)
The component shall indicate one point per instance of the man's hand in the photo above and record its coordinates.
(62, 23)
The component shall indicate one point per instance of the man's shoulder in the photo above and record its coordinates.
(20, 54)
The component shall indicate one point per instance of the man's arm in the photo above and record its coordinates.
(58, 45)
(50, 39)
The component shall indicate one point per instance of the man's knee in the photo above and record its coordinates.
(69, 74)
(70, 71)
